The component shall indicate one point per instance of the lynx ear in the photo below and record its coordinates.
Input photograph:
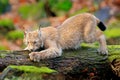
(39, 31)
(39, 27)
(26, 29)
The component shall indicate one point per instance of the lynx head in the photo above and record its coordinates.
(33, 40)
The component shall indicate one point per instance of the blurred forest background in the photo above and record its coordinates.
(15, 15)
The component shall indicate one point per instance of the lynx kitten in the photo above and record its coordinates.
(73, 31)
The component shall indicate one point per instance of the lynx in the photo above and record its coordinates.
(69, 35)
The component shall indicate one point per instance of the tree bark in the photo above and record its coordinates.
(75, 64)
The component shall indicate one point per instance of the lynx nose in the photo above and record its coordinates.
(30, 49)
(27, 48)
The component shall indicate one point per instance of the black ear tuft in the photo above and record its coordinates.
(39, 27)
(101, 26)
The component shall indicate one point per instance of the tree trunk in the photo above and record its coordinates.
(84, 63)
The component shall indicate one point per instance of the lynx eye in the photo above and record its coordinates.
(28, 42)
(34, 42)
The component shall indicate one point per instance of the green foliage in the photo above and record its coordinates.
(60, 6)
(112, 33)
(63, 5)
(33, 69)
(114, 24)
(33, 11)
(3, 5)
(113, 30)
(4, 1)
(117, 16)
(36, 11)
(2, 48)
(83, 10)
(6, 25)
(13, 35)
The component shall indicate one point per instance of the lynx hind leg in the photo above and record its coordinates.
(103, 47)
(89, 32)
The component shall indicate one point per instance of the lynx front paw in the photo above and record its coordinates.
(37, 56)
(46, 54)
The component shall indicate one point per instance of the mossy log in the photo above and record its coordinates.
(84, 63)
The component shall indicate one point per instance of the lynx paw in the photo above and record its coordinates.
(36, 56)
(103, 51)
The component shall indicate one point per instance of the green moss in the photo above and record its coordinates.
(114, 52)
(25, 76)
(4, 53)
(86, 50)
(3, 48)
(111, 58)
(13, 35)
(89, 52)
(33, 69)
(30, 72)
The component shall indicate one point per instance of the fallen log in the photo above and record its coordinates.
(84, 63)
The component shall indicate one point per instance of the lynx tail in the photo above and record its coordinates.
(101, 26)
